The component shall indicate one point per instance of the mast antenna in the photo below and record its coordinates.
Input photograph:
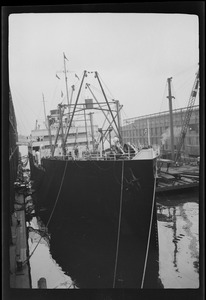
(170, 97)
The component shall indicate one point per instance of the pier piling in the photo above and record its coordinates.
(42, 283)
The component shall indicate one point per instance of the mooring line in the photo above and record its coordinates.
(57, 198)
(51, 212)
(119, 226)
(150, 229)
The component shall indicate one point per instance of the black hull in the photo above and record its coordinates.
(37, 173)
(13, 153)
(83, 202)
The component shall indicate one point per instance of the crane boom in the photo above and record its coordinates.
(188, 115)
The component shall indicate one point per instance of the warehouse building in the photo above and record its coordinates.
(154, 129)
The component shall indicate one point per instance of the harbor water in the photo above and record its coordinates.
(178, 229)
(178, 232)
(41, 262)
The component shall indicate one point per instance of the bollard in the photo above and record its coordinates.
(42, 283)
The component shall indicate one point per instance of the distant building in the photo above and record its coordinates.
(155, 130)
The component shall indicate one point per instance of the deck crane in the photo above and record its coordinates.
(187, 115)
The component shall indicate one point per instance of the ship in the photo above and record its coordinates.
(13, 154)
(97, 196)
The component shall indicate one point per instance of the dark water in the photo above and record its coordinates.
(178, 247)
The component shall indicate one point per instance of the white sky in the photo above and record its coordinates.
(133, 53)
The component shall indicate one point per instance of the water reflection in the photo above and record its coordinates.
(178, 225)
(41, 262)
(178, 244)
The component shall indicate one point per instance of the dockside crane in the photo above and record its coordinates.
(187, 115)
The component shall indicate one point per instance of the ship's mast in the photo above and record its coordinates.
(72, 116)
(170, 97)
(106, 117)
(85, 122)
(118, 114)
(118, 130)
(49, 131)
(67, 120)
(62, 129)
(115, 118)
(65, 74)
(148, 132)
(119, 107)
(92, 128)
(45, 112)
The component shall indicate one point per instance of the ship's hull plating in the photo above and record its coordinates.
(84, 202)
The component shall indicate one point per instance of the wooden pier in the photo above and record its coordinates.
(19, 266)
(177, 178)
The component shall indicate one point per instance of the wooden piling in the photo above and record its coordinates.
(42, 283)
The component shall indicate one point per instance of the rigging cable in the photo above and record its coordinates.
(106, 87)
(119, 225)
(100, 92)
(13, 153)
(163, 97)
(150, 227)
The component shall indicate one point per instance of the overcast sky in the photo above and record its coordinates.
(133, 53)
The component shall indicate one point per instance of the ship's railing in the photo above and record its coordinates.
(94, 157)
(106, 157)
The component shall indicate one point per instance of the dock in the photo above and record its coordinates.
(177, 178)
(19, 252)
